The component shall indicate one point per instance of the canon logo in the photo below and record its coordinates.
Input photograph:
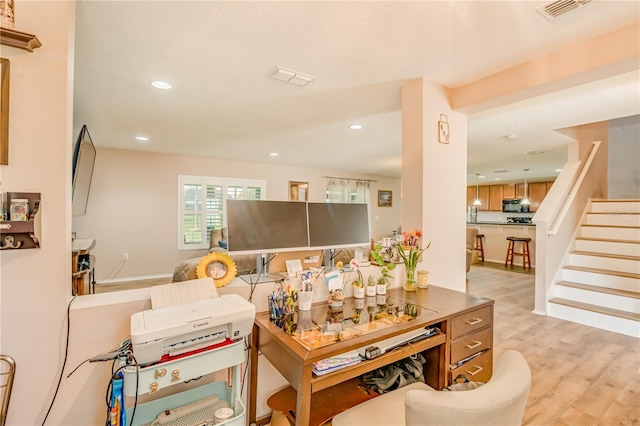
(200, 324)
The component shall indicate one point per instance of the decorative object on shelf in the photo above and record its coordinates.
(4, 111)
(23, 207)
(18, 39)
(385, 198)
(443, 129)
(219, 266)
(410, 254)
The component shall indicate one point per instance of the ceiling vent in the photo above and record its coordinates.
(554, 9)
(293, 77)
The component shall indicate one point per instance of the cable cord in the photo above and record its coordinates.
(64, 362)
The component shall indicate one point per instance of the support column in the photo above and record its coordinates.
(434, 180)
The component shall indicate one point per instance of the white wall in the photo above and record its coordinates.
(133, 205)
(35, 283)
(624, 152)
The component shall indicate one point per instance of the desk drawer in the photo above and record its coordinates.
(471, 344)
(474, 320)
(479, 369)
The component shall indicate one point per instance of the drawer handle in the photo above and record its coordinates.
(473, 321)
(478, 369)
(475, 344)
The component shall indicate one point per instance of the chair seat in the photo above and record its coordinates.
(518, 239)
(384, 410)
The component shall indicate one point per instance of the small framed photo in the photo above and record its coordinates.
(385, 198)
(443, 132)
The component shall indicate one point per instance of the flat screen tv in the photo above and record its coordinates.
(261, 226)
(84, 157)
(336, 225)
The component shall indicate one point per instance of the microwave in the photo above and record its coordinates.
(513, 205)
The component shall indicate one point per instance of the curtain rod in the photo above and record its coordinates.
(343, 178)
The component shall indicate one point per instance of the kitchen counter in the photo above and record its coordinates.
(500, 223)
(495, 239)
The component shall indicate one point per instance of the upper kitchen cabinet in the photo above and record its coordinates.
(496, 195)
(537, 192)
(483, 195)
(471, 195)
(509, 190)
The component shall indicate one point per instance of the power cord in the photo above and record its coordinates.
(64, 362)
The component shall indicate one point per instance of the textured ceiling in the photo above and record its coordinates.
(219, 55)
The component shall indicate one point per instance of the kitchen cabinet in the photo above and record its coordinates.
(483, 195)
(537, 192)
(509, 190)
(519, 190)
(471, 195)
(496, 195)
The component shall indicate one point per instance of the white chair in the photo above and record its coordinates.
(501, 401)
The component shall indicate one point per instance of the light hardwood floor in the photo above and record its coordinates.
(581, 375)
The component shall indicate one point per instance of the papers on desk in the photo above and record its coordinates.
(336, 362)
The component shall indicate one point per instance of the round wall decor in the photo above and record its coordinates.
(219, 266)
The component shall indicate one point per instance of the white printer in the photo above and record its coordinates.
(187, 316)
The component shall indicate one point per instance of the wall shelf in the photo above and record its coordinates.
(19, 39)
(21, 234)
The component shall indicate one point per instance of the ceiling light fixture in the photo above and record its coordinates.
(557, 170)
(511, 137)
(477, 201)
(161, 85)
(274, 154)
(142, 138)
(293, 77)
(525, 201)
(355, 126)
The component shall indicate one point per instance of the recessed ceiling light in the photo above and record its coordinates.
(142, 138)
(355, 126)
(557, 170)
(497, 178)
(274, 154)
(161, 85)
(481, 176)
(511, 137)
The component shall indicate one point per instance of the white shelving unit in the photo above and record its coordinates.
(162, 375)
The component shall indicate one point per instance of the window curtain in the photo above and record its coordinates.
(338, 191)
(363, 192)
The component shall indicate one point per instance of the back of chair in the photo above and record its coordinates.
(7, 372)
(501, 401)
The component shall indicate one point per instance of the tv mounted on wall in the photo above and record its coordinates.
(84, 157)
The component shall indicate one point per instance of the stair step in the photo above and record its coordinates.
(610, 231)
(598, 289)
(603, 271)
(609, 255)
(613, 219)
(598, 309)
(615, 206)
(608, 240)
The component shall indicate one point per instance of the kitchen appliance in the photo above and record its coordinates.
(518, 220)
(514, 205)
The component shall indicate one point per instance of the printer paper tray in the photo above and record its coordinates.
(162, 375)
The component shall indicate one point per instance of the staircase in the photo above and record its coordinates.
(600, 282)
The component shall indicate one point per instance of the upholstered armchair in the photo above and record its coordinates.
(501, 401)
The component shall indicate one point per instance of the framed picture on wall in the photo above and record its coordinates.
(385, 198)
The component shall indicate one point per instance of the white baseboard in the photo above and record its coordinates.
(144, 277)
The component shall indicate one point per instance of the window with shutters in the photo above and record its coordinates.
(202, 205)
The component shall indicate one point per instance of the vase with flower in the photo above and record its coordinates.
(384, 280)
(410, 255)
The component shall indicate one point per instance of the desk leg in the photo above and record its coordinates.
(253, 381)
(303, 404)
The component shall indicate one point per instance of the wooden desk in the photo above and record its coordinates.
(460, 317)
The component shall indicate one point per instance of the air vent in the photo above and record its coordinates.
(500, 171)
(554, 9)
(534, 152)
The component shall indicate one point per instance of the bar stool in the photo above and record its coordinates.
(511, 253)
(479, 247)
